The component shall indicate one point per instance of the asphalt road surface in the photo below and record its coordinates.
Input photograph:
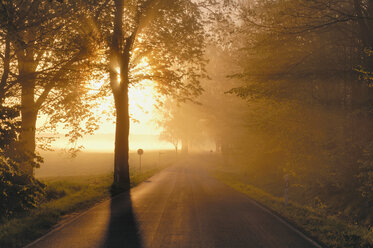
(180, 207)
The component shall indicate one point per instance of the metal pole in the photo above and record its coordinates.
(286, 189)
(140, 163)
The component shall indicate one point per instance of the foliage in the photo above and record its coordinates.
(302, 68)
(308, 111)
(181, 123)
(155, 40)
(19, 191)
(49, 50)
(9, 129)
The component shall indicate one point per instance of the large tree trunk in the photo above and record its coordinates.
(119, 58)
(28, 132)
(121, 165)
(29, 111)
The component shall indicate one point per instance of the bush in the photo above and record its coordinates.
(18, 192)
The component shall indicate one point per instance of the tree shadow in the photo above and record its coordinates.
(123, 229)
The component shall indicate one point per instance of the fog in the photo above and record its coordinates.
(277, 94)
(104, 143)
(60, 164)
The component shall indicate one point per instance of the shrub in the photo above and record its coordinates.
(18, 192)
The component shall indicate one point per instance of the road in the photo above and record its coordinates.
(180, 207)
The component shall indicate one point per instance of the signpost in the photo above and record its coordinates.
(286, 189)
(140, 152)
(159, 158)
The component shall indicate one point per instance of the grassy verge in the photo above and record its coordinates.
(65, 196)
(330, 230)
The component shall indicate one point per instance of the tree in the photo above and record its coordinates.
(181, 123)
(51, 43)
(169, 135)
(168, 38)
(309, 108)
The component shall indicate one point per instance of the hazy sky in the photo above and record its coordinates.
(143, 129)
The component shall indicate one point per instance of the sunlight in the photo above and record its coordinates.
(143, 132)
(142, 100)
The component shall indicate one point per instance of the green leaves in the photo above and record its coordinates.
(18, 192)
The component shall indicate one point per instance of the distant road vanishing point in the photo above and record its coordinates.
(180, 207)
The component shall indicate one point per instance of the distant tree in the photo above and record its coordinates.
(169, 135)
(181, 124)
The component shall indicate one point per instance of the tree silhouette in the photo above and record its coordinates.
(168, 37)
(48, 49)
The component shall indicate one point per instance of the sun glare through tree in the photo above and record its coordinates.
(186, 123)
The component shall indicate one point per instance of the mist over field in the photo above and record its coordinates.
(97, 155)
(104, 143)
(165, 103)
(87, 163)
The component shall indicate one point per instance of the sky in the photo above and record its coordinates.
(143, 129)
(142, 111)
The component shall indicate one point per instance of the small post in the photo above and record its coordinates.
(140, 152)
(286, 189)
(159, 158)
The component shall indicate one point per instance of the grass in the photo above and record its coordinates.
(328, 229)
(65, 196)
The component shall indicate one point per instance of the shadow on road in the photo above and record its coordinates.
(123, 229)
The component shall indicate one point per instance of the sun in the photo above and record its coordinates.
(142, 100)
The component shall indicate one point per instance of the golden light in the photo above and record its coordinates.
(141, 102)
(142, 99)
(143, 133)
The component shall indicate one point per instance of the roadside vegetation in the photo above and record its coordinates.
(330, 230)
(278, 88)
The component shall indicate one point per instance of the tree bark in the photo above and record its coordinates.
(121, 165)
(6, 70)
(119, 58)
(28, 131)
(29, 112)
